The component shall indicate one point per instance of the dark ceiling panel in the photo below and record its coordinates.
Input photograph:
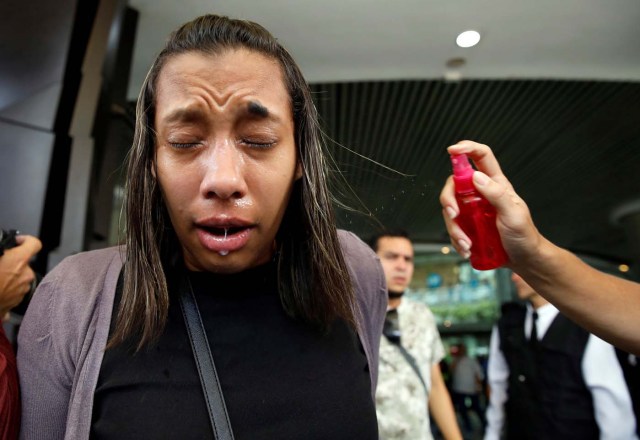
(570, 148)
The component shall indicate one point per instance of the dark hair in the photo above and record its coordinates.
(314, 281)
(374, 239)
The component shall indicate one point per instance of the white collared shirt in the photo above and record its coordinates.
(601, 371)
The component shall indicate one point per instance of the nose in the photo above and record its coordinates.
(224, 169)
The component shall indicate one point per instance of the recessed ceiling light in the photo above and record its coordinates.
(623, 268)
(468, 39)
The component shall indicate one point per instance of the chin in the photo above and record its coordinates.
(396, 293)
(234, 262)
(227, 265)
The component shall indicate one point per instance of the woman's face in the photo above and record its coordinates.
(225, 156)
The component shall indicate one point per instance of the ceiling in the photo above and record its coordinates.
(553, 87)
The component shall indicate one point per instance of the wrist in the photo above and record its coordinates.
(542, 262)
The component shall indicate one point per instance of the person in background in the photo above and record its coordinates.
(605, 305)
(16, 280)
(410, 385)
(630, 365)
(227, 206)
(445, 370)
(551, 379)
(467, 385)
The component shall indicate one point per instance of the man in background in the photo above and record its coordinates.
(467, 386)
(410, 383)
(551, 379)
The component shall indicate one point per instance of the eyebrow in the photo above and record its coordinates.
(392, 254)
(255, 108)
(193, 114)
(188, 114)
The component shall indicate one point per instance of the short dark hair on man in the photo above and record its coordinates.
(397, 232)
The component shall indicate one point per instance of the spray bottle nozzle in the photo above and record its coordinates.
(462, 173)
(461, 165)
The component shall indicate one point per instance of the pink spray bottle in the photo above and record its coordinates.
(477, 218)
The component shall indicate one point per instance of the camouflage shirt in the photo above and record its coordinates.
(401, 401)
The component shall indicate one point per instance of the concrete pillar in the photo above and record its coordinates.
(72, 238)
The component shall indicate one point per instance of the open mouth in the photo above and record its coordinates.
(224, 239)
(224, 232)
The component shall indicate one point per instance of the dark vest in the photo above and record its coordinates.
(548, 398)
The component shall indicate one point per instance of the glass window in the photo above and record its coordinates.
(456, 293)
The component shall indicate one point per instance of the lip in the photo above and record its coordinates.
(224, 243)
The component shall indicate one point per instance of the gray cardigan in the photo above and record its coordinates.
(65, 330)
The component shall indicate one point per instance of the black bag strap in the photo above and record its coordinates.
(412, 362)
(391, 331)
(216, 407)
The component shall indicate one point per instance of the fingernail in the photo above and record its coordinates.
(451, 212)
(480, 178)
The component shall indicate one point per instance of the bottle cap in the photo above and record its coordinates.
(462, 173)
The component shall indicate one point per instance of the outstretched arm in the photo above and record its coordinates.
(605, 305)
(441, 407)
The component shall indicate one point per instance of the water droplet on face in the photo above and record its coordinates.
(243, 203)
(223, 253)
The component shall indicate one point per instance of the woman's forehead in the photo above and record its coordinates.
(231, 79)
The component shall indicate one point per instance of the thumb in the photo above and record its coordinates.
(28, 245)
(494, 192)
(513, 212)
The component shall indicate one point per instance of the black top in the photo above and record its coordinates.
(280, 378)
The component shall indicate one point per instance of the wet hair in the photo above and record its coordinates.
(375, 239)
(314, 281)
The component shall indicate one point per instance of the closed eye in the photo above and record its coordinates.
(181, 145)
(258, 144)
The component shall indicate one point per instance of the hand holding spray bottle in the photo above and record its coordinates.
(477, 218)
